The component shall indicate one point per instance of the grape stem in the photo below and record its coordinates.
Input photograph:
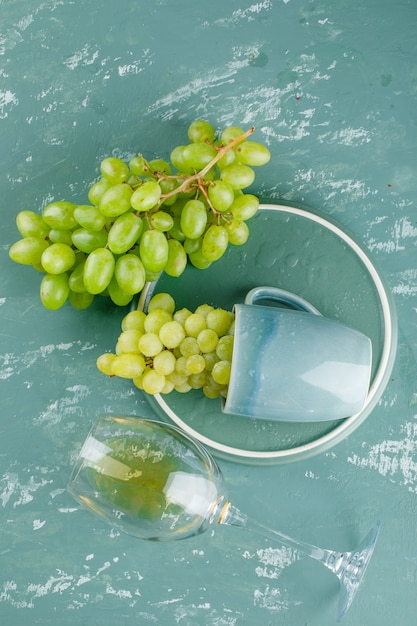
(199, 176)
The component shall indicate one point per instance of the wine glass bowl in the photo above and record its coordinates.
(152, 481)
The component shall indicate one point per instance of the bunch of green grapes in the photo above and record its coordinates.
(165, 350)
(143, 218)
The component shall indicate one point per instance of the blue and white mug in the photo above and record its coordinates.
(294, 364)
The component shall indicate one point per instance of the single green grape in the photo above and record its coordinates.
(221, 195)
(104, 363)
(28, 251)
(134, 320)
(146, 197)
(54, 291)
(56, 235)
(60, 215)
(124, 232)
(215, 242)
(189, 346)
(89, 240)
(193, 219)
(244, 207)
(160, 220)
(130, 273)
(57, 258)
(89, 217)
(114, 170)
(194, 324)
(219, 320)
(116, 200)
(128, 340)
(159, 166)
(177, 258)
(195, 363)
(153, 250)
(156, 319)
(30, 224)
(230, 134)
(171, 334)
(80, 301)
(200, 131)
(237, 232)
(117, 295)
(76, 278)
(196, 156)
(252, 153)
(177, 158)
(152, 382)
(164, 362)
(238, 176)
(224, 348)
(207, 340)
(162, 301)
(198, 259)
(150, 344)
(138, 166)
(98, 270)
(128, 365)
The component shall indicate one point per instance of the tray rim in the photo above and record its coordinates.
(382, 374)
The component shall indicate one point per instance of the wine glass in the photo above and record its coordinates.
(152, 481)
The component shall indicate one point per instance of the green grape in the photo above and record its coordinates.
(76, 279)
(96, 191)
(210, 392)
(124, 233)
(104, 363)
(207, 340)
(138, 166)
(134, 320)
(194, 324)
(195, 364)
(153, 249)
(215, 242)
(198, 259)
(177, 258)
(210, 358)
(181, 367)
(252, 153)
(181, 315)
(128, 365)
(189, 346)
(119, 296)
(176, 232)
(60, 236)
(150, 344)
(162, 301)
(160, 220)
(244, 207)
(224, 348)
(30, 224)
(193, 219)
(200, 131)
(130, 273)
(89, 240)
(177, 158)
(98, 270)
(221, 195)
(116, 200)
(237, 232)
(160, 166)
(168, 387)
(151, 276)
(54, 291)
(89, 217)
(156, 319)
(168, 185)
(230, 134)
(204, 309)
(219, 320)
(28, 251)
(197, 155)
(80, 301)
(114, 170)
(185, 388)
(152, 382)
(146, 197)
(171, 334)
(193, 245)
(178, 379)
(238, 176)
(57, 258)
(197, 381)
(164, 363)
(128, 340)
(60, 215)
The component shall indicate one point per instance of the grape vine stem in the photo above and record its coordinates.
(199, 176)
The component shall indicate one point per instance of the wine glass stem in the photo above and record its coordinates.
(334, 561)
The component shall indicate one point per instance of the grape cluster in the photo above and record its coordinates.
(165, 350)
(143, 218)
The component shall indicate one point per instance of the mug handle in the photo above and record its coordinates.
(280, 295)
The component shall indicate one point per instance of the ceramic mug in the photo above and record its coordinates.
(294, 364)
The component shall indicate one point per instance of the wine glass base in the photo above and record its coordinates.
(353, 573)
